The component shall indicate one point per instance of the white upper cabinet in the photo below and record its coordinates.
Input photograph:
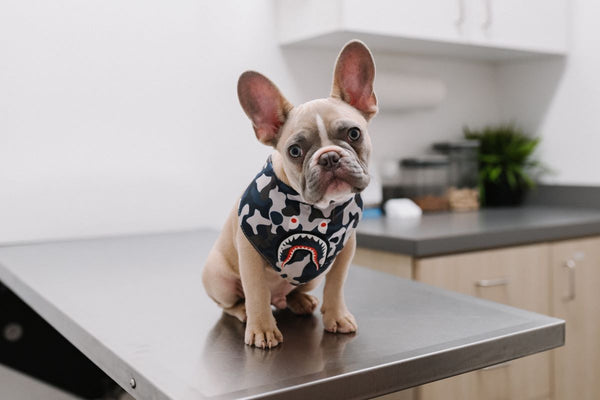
(442, 20)
(538, 26)
(487, 29)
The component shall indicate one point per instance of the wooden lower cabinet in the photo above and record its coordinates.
(576, 285)
(561, 279)
(518, 276)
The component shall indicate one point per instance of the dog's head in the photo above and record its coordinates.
(324, 144)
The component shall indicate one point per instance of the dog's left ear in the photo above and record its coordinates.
(353, 78)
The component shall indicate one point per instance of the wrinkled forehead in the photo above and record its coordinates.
(314, 116)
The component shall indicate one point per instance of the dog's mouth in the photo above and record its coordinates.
(295, 248)
(336, 182)
(336, 186)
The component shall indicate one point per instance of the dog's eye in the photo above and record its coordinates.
(354, 134)
(295, 151)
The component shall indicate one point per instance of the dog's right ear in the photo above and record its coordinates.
(264, 105)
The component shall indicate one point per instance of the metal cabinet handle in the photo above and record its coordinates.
(489, 17)
(460, 19)
(492, 282)
(570, 266)
(501, 365)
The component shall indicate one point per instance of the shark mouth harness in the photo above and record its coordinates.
(298, 240)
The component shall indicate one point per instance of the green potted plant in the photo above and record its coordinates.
(505, 164)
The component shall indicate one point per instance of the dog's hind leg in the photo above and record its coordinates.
(238, 311)
(300, 302)
(220, 282)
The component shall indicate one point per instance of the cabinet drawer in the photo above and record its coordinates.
(516, 276)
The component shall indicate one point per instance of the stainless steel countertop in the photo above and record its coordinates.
(136, 307)
(445, 233)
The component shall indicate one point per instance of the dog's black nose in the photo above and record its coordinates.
(329, 160)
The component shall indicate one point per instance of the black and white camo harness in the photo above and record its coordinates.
(299, 240)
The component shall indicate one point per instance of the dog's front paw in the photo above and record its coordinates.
(339, 320)
(263, 334)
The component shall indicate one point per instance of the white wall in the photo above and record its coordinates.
(120, 117)
(560, 100)
(471, 98)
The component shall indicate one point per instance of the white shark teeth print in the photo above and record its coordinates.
(287, 243)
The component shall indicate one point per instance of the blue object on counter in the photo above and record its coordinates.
(372, 213)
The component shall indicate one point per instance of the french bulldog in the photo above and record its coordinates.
(296, 221)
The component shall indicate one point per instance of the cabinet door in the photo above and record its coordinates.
(391, 263)
(576, 280)
(423, 19)
(539, 25)
(519, 277)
